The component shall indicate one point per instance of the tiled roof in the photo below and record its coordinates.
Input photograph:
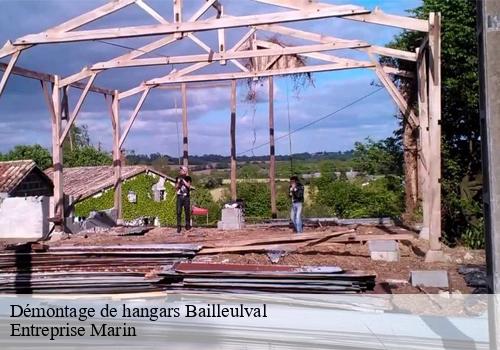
(13, 172)
(83, 182)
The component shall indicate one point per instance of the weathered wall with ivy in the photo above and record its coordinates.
(145, 206)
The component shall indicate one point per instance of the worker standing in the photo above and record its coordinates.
(296, 193)
(183, 189)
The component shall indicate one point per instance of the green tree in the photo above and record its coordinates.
(78, 151)
(39, 154)
(460, 103)
(384, 157)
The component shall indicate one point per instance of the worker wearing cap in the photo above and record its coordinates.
(296, 192)
(182, 190)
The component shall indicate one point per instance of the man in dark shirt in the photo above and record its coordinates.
(296, 192)
(182, 189)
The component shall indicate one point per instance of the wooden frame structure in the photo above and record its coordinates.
(427, 59)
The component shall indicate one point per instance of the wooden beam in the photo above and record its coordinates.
(423, 164)
(435, 252)
(221, 37)
(185, 146)
(234, 195)
(57, 156)
(188, 69)
(50, 78)
(376, 16)
(117, 162)
(158, 29)
(395, 93)
(178, 16)
(272, 152)
(8, 71)
(340, 43)
(141, 50)
(245, 75)
(133, 116)
(77, 108)
(216, 56)
(151, 11)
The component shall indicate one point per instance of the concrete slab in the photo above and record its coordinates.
(385, 256)
(24, 217)
(436, 256)
(383, 246)
(436, 278)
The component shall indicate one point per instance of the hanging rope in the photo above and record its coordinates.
(290, 154)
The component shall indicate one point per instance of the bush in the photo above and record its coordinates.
(345, 199)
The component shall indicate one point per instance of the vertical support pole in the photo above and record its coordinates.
(185, 155)
(178, 16)
(117, 161)
(272, 158)
(424, 156)
(221, 36)
(489, 71)
(57, 161)
(233, 140)
(435, 252)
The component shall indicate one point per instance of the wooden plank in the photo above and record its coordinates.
(178, 16)
(245, 75)
(117, 163)
(205, 25)
(423, 165)
(339, 43)
(58, 203)
(27, 73)
(77, 108)
(188, 69)
(233, 140)
(185, 146)
(219, 56)
(8, 71)
(376, 16)
(435, 130)
(151, 11)
(139, 51)
(272, 156)
(133, 116)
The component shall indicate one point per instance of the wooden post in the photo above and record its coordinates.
(185, 156)
(8, 70)
(57, 157)
(424, 156)
(435, 253)
(272, 160)
(117, 162)
(233, 140)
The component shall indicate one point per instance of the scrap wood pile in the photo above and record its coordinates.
(290, 242)
(87, 269)
(266, 278)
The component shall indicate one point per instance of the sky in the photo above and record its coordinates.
(324, 113)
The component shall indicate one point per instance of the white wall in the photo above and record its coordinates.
(24, 217)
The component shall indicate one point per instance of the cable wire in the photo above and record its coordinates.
(314, 121)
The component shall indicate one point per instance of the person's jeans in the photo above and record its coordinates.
(183, 202)
(296, 216)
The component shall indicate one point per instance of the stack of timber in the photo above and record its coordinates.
(88, 269)
(266, 278)
(291, 242)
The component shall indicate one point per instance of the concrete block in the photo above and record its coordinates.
(24, 217)
(385, 256)
(383, 246)
(437, 278)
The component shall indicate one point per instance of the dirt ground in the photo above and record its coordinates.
(392, 277)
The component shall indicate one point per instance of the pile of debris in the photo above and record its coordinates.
(233, 278)
(35, 268)
(475, 276)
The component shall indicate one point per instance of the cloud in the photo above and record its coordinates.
(25, 119)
